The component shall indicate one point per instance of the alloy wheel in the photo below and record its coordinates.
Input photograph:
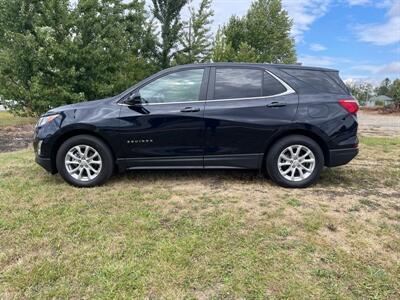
(296, 163)
(83, 162)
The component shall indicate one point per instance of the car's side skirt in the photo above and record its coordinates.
(234, 161)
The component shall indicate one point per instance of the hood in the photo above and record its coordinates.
(81, 105)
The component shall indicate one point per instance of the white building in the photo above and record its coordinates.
(381, 100)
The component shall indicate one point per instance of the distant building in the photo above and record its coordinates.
(381, 100)
(2, 108)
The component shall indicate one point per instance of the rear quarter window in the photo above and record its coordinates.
(320, 80)
(271, 86)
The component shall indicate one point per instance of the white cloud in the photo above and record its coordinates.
(390, 68)
(358, 2)
(360, 79)
(317, 47)
(304, 13)
(393, 67)
(318, 61)
(382, 33)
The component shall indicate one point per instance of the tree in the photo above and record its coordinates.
(394, 92)
(247, 53)
(167, 12)
(383, 89)
(362, 91)
(53, 54)
(221, 50)
(109, 35)
(265, 29)
(36, 55)
(196, 40)
(235, 31)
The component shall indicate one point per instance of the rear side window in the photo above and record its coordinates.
(233, 83)
(320, 80)
(272, 86)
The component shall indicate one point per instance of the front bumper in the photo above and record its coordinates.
(46, 164)
(42, 155)
(339, 157)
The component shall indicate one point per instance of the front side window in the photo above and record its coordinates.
(237, 83)
(180, 86)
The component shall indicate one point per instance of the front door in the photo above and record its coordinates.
(167, 130)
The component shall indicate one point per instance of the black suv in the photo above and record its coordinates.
(287, 120)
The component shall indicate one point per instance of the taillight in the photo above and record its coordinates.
(351, 105)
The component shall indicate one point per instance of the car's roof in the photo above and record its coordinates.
(263, 65)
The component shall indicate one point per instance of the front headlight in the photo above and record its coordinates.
(47, 119)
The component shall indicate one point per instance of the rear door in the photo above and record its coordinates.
(244, 107)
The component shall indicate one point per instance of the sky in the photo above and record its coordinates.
(360, 38)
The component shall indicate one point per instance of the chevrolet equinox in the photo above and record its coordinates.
(287, 120)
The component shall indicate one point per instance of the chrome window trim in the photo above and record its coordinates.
(289, 91)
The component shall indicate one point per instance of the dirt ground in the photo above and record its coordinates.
(15, 137)
(371, 123)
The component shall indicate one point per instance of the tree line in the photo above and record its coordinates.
(362, 91)
(55, 52)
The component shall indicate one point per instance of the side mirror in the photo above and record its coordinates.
(133, 99)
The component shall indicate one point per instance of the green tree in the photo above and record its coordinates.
(394, 92)
(53, 54)
(167, 13)
(383, 89)
(235, 32)
(36, 55)
(109, 35)
(265, 29)
(246, 53)
(362, 91)
(222, 51)
(268, 32)
(196, 40)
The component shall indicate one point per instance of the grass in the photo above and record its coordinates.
(7, 119)
(202, 235)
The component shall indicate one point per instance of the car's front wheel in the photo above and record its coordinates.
(84, 161)
(295, 161)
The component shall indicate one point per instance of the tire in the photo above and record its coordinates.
(292, 169)
(97, 166)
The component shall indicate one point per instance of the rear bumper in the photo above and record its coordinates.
(46, 164)
(339, 157)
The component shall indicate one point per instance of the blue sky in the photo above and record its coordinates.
(361, 38)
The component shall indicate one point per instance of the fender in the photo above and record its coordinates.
(298, 128)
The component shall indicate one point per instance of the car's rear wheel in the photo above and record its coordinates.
(84, 161)
(295, 161)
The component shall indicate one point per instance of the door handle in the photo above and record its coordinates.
(190, 109)
(276, 104)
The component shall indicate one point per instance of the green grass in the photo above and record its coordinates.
(380, 141)
(200, 235)
(7, 119)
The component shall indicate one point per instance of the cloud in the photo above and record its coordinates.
(304, 13)
(358, 2)
(382, 34)
(317, 47)
(318, 61)
(390, 68)
(360, 79)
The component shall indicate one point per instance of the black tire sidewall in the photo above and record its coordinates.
(279, 146)
(96, 143)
